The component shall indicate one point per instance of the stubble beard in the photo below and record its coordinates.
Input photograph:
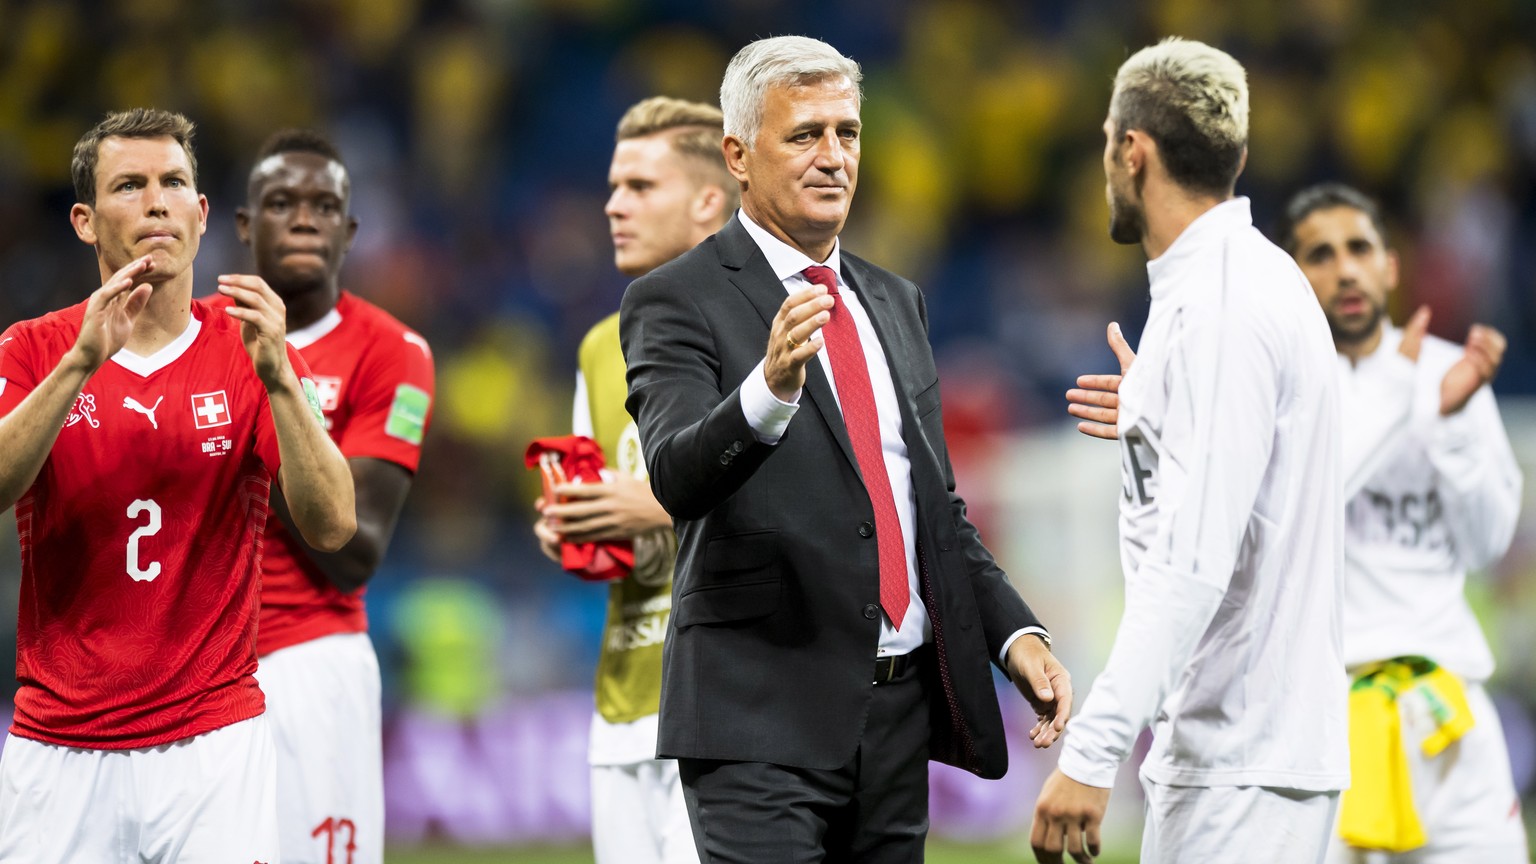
(1127, 223)
(1354, 333)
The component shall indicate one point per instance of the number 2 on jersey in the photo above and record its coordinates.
(150, 529)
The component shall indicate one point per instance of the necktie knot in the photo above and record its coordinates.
(822, 276)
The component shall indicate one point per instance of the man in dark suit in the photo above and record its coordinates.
(834, 611)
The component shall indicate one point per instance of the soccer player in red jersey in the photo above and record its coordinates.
(318, 667)
(140, 431)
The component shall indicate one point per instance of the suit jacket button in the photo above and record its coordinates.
(725, 458)
(871, 611)
(736, 447)
(866, 530)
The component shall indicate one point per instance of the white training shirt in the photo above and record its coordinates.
(1231, 530)
(1430, 498)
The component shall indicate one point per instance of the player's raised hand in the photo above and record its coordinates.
(790, 345)
(112, 311)
(1413, 334)
(1480, 361)
(1096, 398)
(1067, 819)
(264, 327)
(1046, 685)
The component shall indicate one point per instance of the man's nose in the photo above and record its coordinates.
(154, 202)
(830, 156)
(614, 208)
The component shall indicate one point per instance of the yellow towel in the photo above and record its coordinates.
(1377, 810)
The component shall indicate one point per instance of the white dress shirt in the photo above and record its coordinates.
(769, 417)
(1231, 530)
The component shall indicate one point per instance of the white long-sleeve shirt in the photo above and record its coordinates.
(1231, 530)
(1430, 498)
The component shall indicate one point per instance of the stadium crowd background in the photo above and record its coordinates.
(478, 134)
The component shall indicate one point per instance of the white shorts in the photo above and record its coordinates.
(1251, 824)
(1465, 797)
(211, 798)
(323, 700)
(638, 815)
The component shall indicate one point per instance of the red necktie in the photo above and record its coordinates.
(857, 398)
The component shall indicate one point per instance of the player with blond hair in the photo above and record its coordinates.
(1231, 513)
(670, 190)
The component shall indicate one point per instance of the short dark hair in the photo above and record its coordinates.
(133, 123)
(299, 141)
(1325, 196)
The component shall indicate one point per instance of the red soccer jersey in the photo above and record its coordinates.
(374, 377)
(141, 538)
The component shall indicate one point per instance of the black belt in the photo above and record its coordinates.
(894, 666)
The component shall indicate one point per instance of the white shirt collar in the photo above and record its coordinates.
(785, 259)
(146, 366)
(306, 336)
(1210, 226)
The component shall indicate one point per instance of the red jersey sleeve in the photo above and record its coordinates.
(391, 402)
(17, 376)
(266, 430)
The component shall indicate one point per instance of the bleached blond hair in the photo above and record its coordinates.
(695, 130)
(775, 62)
(1192, 100)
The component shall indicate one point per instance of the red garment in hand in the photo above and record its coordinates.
(579, 459)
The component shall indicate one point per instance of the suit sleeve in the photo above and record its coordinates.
(699, 448)
(1004, 614)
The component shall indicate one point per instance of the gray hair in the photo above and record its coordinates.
(776, 62)
(1193, 100)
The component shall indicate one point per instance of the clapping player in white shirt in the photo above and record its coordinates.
(1231, 516)
(1433, 491)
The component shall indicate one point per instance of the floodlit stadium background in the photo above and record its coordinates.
(478, 133)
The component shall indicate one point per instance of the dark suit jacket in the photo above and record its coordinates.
(775, 620)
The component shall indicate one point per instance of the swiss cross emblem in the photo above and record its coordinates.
(328, 388)
(210, 409)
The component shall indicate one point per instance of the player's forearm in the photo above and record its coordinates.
(1161, 627)
(350, 567)
(1479, 479)
(28, 432)
(316, 483)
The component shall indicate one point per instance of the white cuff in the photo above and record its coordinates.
(1002, 656)
(1084, 768)
(766, 413)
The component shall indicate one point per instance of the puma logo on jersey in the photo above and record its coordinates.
(85, 409)
(132, 404)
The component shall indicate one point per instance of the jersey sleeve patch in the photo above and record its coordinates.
(408, 414)
(312, 396)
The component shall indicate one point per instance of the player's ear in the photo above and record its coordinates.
(708, 202)
(351, 231)
(202, 215)
(736, 156)
(1392, 270)
(243, 225)
(81, 216)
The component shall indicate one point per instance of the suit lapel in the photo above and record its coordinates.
(894, 339)
(748, 270)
